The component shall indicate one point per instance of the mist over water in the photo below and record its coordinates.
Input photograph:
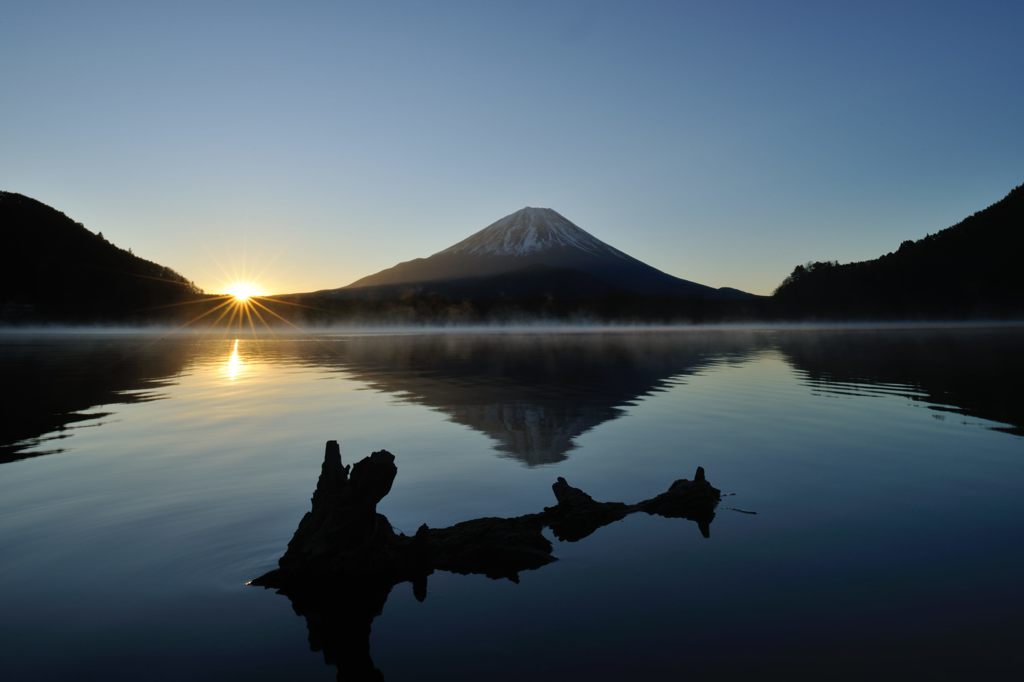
(144, 477)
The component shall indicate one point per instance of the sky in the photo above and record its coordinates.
(307, 144)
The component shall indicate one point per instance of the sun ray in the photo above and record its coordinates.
(194, 301)
(223, 304)
(287, 322)
(281, 301)
(227, 309)
(233, 321)
(263, 321)
(243, 316)
(248, 316)
(241, 305)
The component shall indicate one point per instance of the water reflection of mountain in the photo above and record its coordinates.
(534, 394)
(976, 372)
(50, 382)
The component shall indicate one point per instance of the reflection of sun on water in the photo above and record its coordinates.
(234, 366)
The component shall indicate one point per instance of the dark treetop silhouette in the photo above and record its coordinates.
(972, 269)
(344, 558)
(54, 269)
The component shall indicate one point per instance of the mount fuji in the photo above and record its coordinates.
(534, 251)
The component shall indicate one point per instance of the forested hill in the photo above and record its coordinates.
(973, 269)
(53, 269)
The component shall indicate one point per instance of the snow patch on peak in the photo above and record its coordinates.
(531, 230)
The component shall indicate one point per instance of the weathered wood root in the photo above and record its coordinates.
(345, 558)
(343, 536)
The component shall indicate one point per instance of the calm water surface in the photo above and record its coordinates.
(145, 479)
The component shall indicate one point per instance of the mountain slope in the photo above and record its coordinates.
(54, 269)
(534, 238)
(970, 269)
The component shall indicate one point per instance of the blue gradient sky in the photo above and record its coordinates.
(310, 144)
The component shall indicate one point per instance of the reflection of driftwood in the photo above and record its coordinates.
(344, 558)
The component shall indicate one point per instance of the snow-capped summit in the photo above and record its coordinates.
(534, 252)
(530, 230)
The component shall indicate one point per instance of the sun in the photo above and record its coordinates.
(243, 304)
(242, 291)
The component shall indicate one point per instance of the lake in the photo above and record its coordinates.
(871, 524)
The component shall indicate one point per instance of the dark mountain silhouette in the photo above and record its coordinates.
(508, 256)
(972, 269)
(533, 263)
(54, 269)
